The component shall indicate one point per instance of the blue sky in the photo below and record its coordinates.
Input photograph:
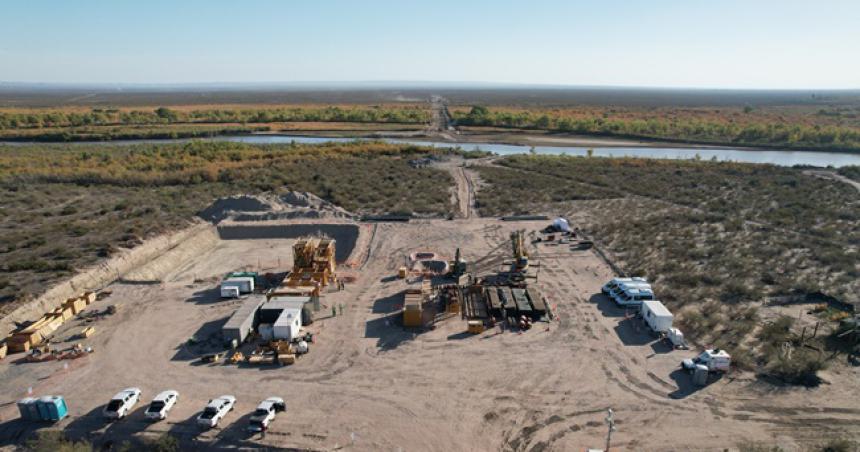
(684, 43)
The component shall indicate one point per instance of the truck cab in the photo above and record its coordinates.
(715, 360)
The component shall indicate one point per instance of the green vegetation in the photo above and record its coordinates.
(713, 128)
(162, 122)
(718, 239)
(851, 172)
(66, 207)
(55, 441)
(139, 132)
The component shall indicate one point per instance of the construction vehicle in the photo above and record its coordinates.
(521, 255)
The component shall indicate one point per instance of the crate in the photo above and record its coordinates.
(76, 304)
(287, 359)
(89, 297)
(3, 350)
(87, 332)
(475, 327)
(412, 317)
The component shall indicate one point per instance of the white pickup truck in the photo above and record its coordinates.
(161, 405)
(122, 403)
(265, 413)
(216, 410)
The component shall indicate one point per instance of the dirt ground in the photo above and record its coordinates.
(369, 384)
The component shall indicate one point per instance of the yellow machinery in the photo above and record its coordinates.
(521, 255)
(313, 263)
(413, 304)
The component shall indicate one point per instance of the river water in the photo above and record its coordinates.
(772, 156)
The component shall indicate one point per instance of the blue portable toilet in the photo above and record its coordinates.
(27, 406)
(55, 406)
(42, 404)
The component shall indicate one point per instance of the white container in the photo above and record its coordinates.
(656, 316)
(288, 324)
(244, 283)
(230, 291)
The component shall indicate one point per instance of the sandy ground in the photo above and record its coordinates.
(369, 384)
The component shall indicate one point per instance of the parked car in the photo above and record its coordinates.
(265, 413)
(615, 282)
(161, 405)
(122, 403)
(216, 410)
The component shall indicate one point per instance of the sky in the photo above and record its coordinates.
(761, 44)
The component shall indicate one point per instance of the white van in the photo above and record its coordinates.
(633, 295)
(613, 283)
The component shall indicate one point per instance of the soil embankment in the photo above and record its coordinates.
(103, 274)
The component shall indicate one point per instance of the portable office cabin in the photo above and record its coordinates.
(242, 322)
(288, 325)
(656, 316)
(245, 283)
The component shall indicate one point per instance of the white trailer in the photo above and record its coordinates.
(656, 316)
(229, 291)
(245, 284)
(288, 324)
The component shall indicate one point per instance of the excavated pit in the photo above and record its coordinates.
(345, 235)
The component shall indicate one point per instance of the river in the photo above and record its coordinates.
(771, 156)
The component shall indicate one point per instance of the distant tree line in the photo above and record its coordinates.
(164, 115)
(693, 129)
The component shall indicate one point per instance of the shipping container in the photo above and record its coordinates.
(242, 322)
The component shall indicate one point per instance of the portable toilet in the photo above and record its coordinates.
(55, 407)
(28, 410)
(42, 404)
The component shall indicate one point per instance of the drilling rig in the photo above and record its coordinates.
(521, 256)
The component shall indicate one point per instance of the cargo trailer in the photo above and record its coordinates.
(656, 316)
(242, 322)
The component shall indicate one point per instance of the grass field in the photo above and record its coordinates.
(718, 239)
(65, 208)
